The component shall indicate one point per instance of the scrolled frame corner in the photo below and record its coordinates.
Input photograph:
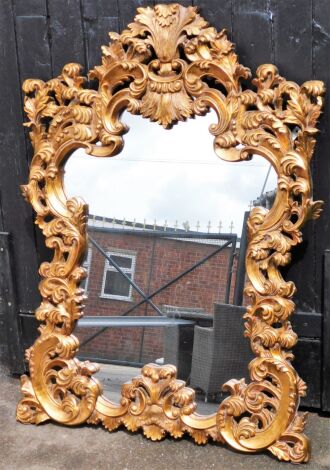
(157, 68)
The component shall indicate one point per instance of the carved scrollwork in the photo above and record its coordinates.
(168, 66)
(158, 403)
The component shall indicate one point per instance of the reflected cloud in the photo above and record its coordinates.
(168, 175)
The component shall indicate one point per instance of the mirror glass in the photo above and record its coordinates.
(167, 221)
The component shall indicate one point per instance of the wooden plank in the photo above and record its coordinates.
(127, 10)
(30, 7)
(307, 324)
(17, 214)
(2, 223)
(184, 3)
(321, 174)
(218, 14)
(303, 262)
(66, 30)
(4, 353)
(307, 362)
(34, 61)
(8, 307)
(293, 56)
(252, 32)
(326, 336)
(99, 18)
(293, 38)
(94, 9)
(97, 36)
(33, 47)
(29, 327)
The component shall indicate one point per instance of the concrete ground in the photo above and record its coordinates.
(54, 447)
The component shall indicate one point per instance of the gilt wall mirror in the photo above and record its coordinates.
(169, 69)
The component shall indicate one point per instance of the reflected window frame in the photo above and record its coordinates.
(87, 265)
(108, 267)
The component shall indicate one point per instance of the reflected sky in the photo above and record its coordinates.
(171, 175)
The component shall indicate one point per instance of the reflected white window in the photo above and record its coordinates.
(87, 266)
(114, 285)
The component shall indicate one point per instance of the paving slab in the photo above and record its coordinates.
(55, 447)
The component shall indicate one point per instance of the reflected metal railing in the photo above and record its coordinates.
(229, 241)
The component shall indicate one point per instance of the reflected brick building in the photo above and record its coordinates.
(151, 261)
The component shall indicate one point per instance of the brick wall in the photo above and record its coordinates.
(158, 260)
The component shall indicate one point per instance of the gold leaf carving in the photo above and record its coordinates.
(170, 65)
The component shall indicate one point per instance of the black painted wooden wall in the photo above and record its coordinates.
(38, 37)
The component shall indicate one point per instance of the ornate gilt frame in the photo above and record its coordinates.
(157, 68)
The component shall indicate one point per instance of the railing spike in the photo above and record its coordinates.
(231, 226)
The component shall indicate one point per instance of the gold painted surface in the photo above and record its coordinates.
(157, 68)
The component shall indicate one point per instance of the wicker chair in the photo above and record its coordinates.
(178, 340)
(220, 353)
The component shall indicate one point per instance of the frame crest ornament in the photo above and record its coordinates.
(169, 65)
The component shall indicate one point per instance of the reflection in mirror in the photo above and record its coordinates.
(167, 238)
